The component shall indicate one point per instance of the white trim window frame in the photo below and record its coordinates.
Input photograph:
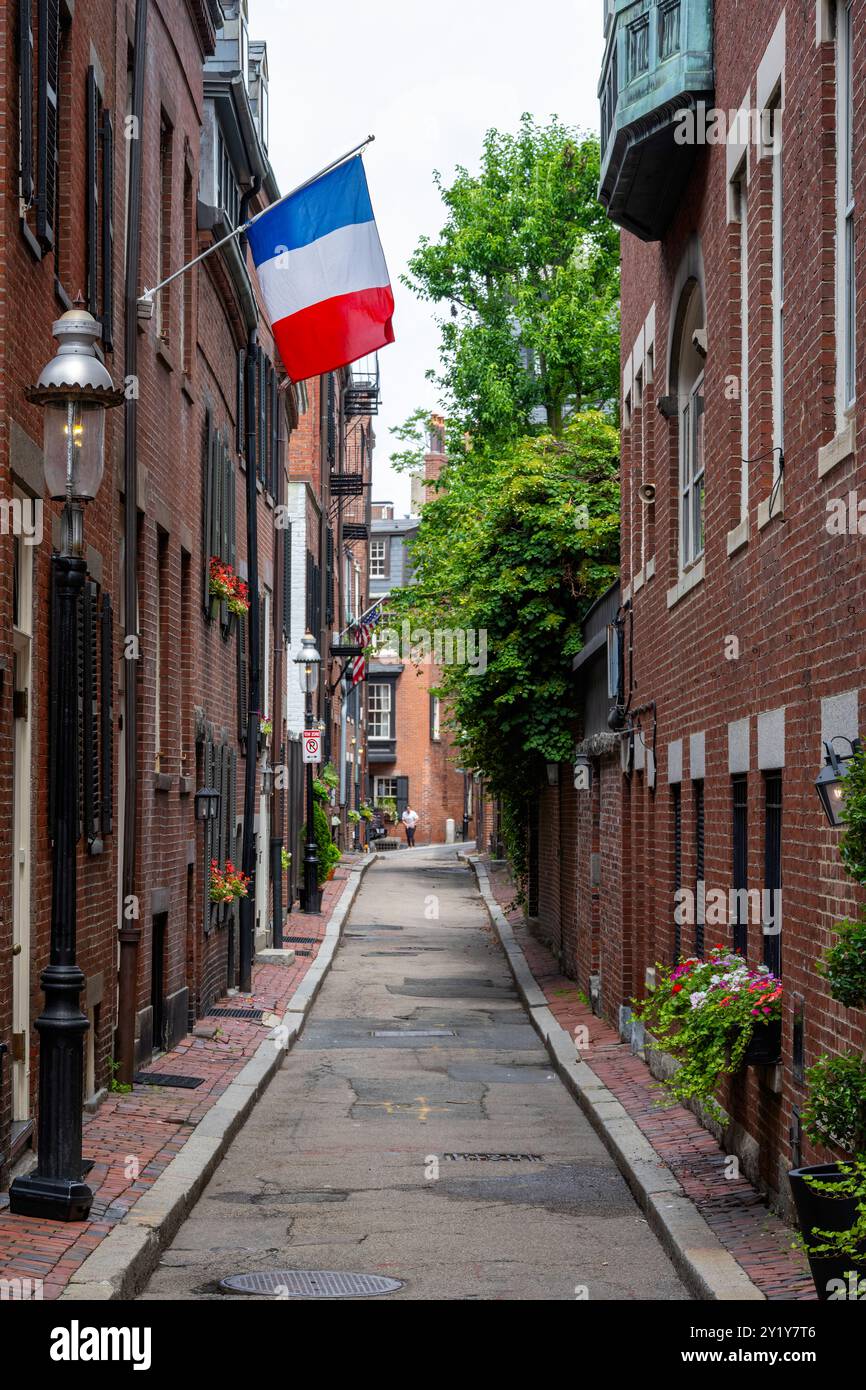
(379, 722)
(846, 351)
(692, 476)
(377, 559)
(384, 789)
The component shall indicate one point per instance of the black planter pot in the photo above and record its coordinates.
(819, 1211)
(765, 1048)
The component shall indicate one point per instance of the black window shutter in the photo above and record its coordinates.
(242, 678)
(106, 713)
(207, 508)
(275, 435)
(91, 818)
(53, 701)
(232, 795)
(263, 406)
(107, 232)
(263, 640)
(240, 407)
(329, 578)
(25, 98)
(227, 519)
(46, 119)
(226, 848)
(311, 576)
(677, 805)
(332, 424)
(700, 895)
(232, 505)
(287, 583)
(92, 192)
(402, 795)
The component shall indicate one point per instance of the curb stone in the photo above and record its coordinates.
(706, 1268)
(121, 1264)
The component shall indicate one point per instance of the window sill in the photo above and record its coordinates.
(838, 451)
(186, 388)
(686, 582)
(765, 515)
(644, 576)
(738, 537)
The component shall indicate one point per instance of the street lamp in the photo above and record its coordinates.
(830, 783)
(75, 390)
(207, 804)
(267, 779)
(308, 662)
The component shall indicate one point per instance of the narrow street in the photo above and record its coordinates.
(356, 1159)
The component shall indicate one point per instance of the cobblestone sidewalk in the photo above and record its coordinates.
(759, 1241)
(133, 1137)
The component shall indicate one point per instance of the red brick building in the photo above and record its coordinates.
(742, 619)
(134, 136)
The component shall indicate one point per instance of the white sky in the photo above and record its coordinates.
(428, 80)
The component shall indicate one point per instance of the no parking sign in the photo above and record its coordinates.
(312, 745)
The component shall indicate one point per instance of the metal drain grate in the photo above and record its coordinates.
(253, 1015)
(310, 1283)
(164, 1078)
(301, 940)
(414, 1033)
(495, 1158)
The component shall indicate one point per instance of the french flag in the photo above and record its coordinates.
(322, 274)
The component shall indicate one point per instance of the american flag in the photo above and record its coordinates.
(363, 630)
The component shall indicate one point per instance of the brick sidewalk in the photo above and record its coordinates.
(132, 1138)
(759, 1241)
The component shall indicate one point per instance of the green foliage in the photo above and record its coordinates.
(528, 267)
(518, 549)
(366, 812)
(354, 817)
(116, 1086)
(844, 964)
(330, 776)
(835, 1112)
(704, 1013)
(321, 790)
(329, 854)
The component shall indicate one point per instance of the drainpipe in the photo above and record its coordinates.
(129, 929)
(248, 853)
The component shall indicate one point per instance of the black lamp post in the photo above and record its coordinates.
(75, 389)
(830, 783)
(308, 662)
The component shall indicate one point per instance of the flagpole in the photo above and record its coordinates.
(147, 296)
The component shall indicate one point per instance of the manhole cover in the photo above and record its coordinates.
(414, 1033)
(310, 1283)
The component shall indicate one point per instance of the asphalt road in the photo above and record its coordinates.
(357, 1157)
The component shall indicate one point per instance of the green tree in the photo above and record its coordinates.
(528, 267)
(513, 550)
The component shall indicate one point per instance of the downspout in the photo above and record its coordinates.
(278, 700)
(248, 853)
(129, 927)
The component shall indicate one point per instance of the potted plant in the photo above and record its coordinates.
(388, 807)
(708, 1014)
(329, 854)
(285, 859)
(220, 584)
(229, 884)
(354, 817)
(831, 1197)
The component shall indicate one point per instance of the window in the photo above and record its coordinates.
(99, 210)
(677, 829)
(384, 789)
(692, 476)
(700, 884)
(377, 559)
(435, 719)
(690, 391)
(773, 871)
(638, 47)
(187, 281)
(846, 355)
(741, 208)
(778, 286)
(669, 29)
(740, 882)
(163, 233)
(379, 723)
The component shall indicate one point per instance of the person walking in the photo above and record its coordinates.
(410, 820)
